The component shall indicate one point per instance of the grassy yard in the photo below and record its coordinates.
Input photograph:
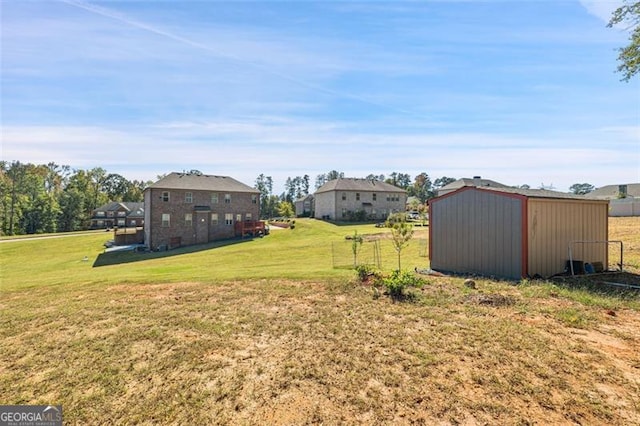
(267, 331)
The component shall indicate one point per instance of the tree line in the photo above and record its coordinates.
(49, 197)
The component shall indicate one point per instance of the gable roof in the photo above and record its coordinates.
(129, 206)
(135, 209)
(308, 197)
(354, 184)
(202, 182)
(610, 192)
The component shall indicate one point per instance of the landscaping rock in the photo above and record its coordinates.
(469, 283)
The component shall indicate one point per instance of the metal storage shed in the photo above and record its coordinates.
(514, 233)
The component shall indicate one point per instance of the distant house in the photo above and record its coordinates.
(346, 199)
(194, 208)
(624, 200)
(514, 233)
(118, 214)
(477, 181)
(304, 206)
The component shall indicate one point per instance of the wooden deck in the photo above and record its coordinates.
(250, 228)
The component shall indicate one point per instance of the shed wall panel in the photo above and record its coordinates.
(554, 224)
(477, 232)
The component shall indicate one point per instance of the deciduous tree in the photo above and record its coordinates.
(401, 233)
(629, 56)
(581, 188)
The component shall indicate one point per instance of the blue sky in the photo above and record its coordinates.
(522, 92)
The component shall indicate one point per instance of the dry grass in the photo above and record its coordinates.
(309, 352)
(627, 229)
(294, 353)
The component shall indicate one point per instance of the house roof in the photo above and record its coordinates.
(115, 205)
(202, 182)
(135, 209)
(353, 184)
(472, 182)
(610, 192)
(308, 197)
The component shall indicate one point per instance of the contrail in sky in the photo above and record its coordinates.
(98, 10)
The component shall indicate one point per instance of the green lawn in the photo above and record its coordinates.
(304, 253)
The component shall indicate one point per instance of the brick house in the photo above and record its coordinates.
(118, 214)
(194, 208)
(348, 198)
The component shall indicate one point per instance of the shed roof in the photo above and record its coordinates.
(529, 193)
(610, 192)
(472, 182)
(355, 184)
(202, 182)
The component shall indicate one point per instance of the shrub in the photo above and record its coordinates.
(399, 281)
(364, 272)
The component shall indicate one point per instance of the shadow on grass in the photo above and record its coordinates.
(345, 223)
(120, 257)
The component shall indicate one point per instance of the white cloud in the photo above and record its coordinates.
(601, 9)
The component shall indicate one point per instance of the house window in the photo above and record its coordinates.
(248, 217)
(228, 218)
(227, 198)
(357, 196)
(120, 222)
(214, 198)
(133, 223)
(100, 223)
(166, 220)
(254, 199)
(238, 217)
(375, 196)
(344, 196)
(214, 218)
(100, 214)
(110, 214)
(165, 196)
(188, 197)
(344, 212)
(188, 219)
(122, 214)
